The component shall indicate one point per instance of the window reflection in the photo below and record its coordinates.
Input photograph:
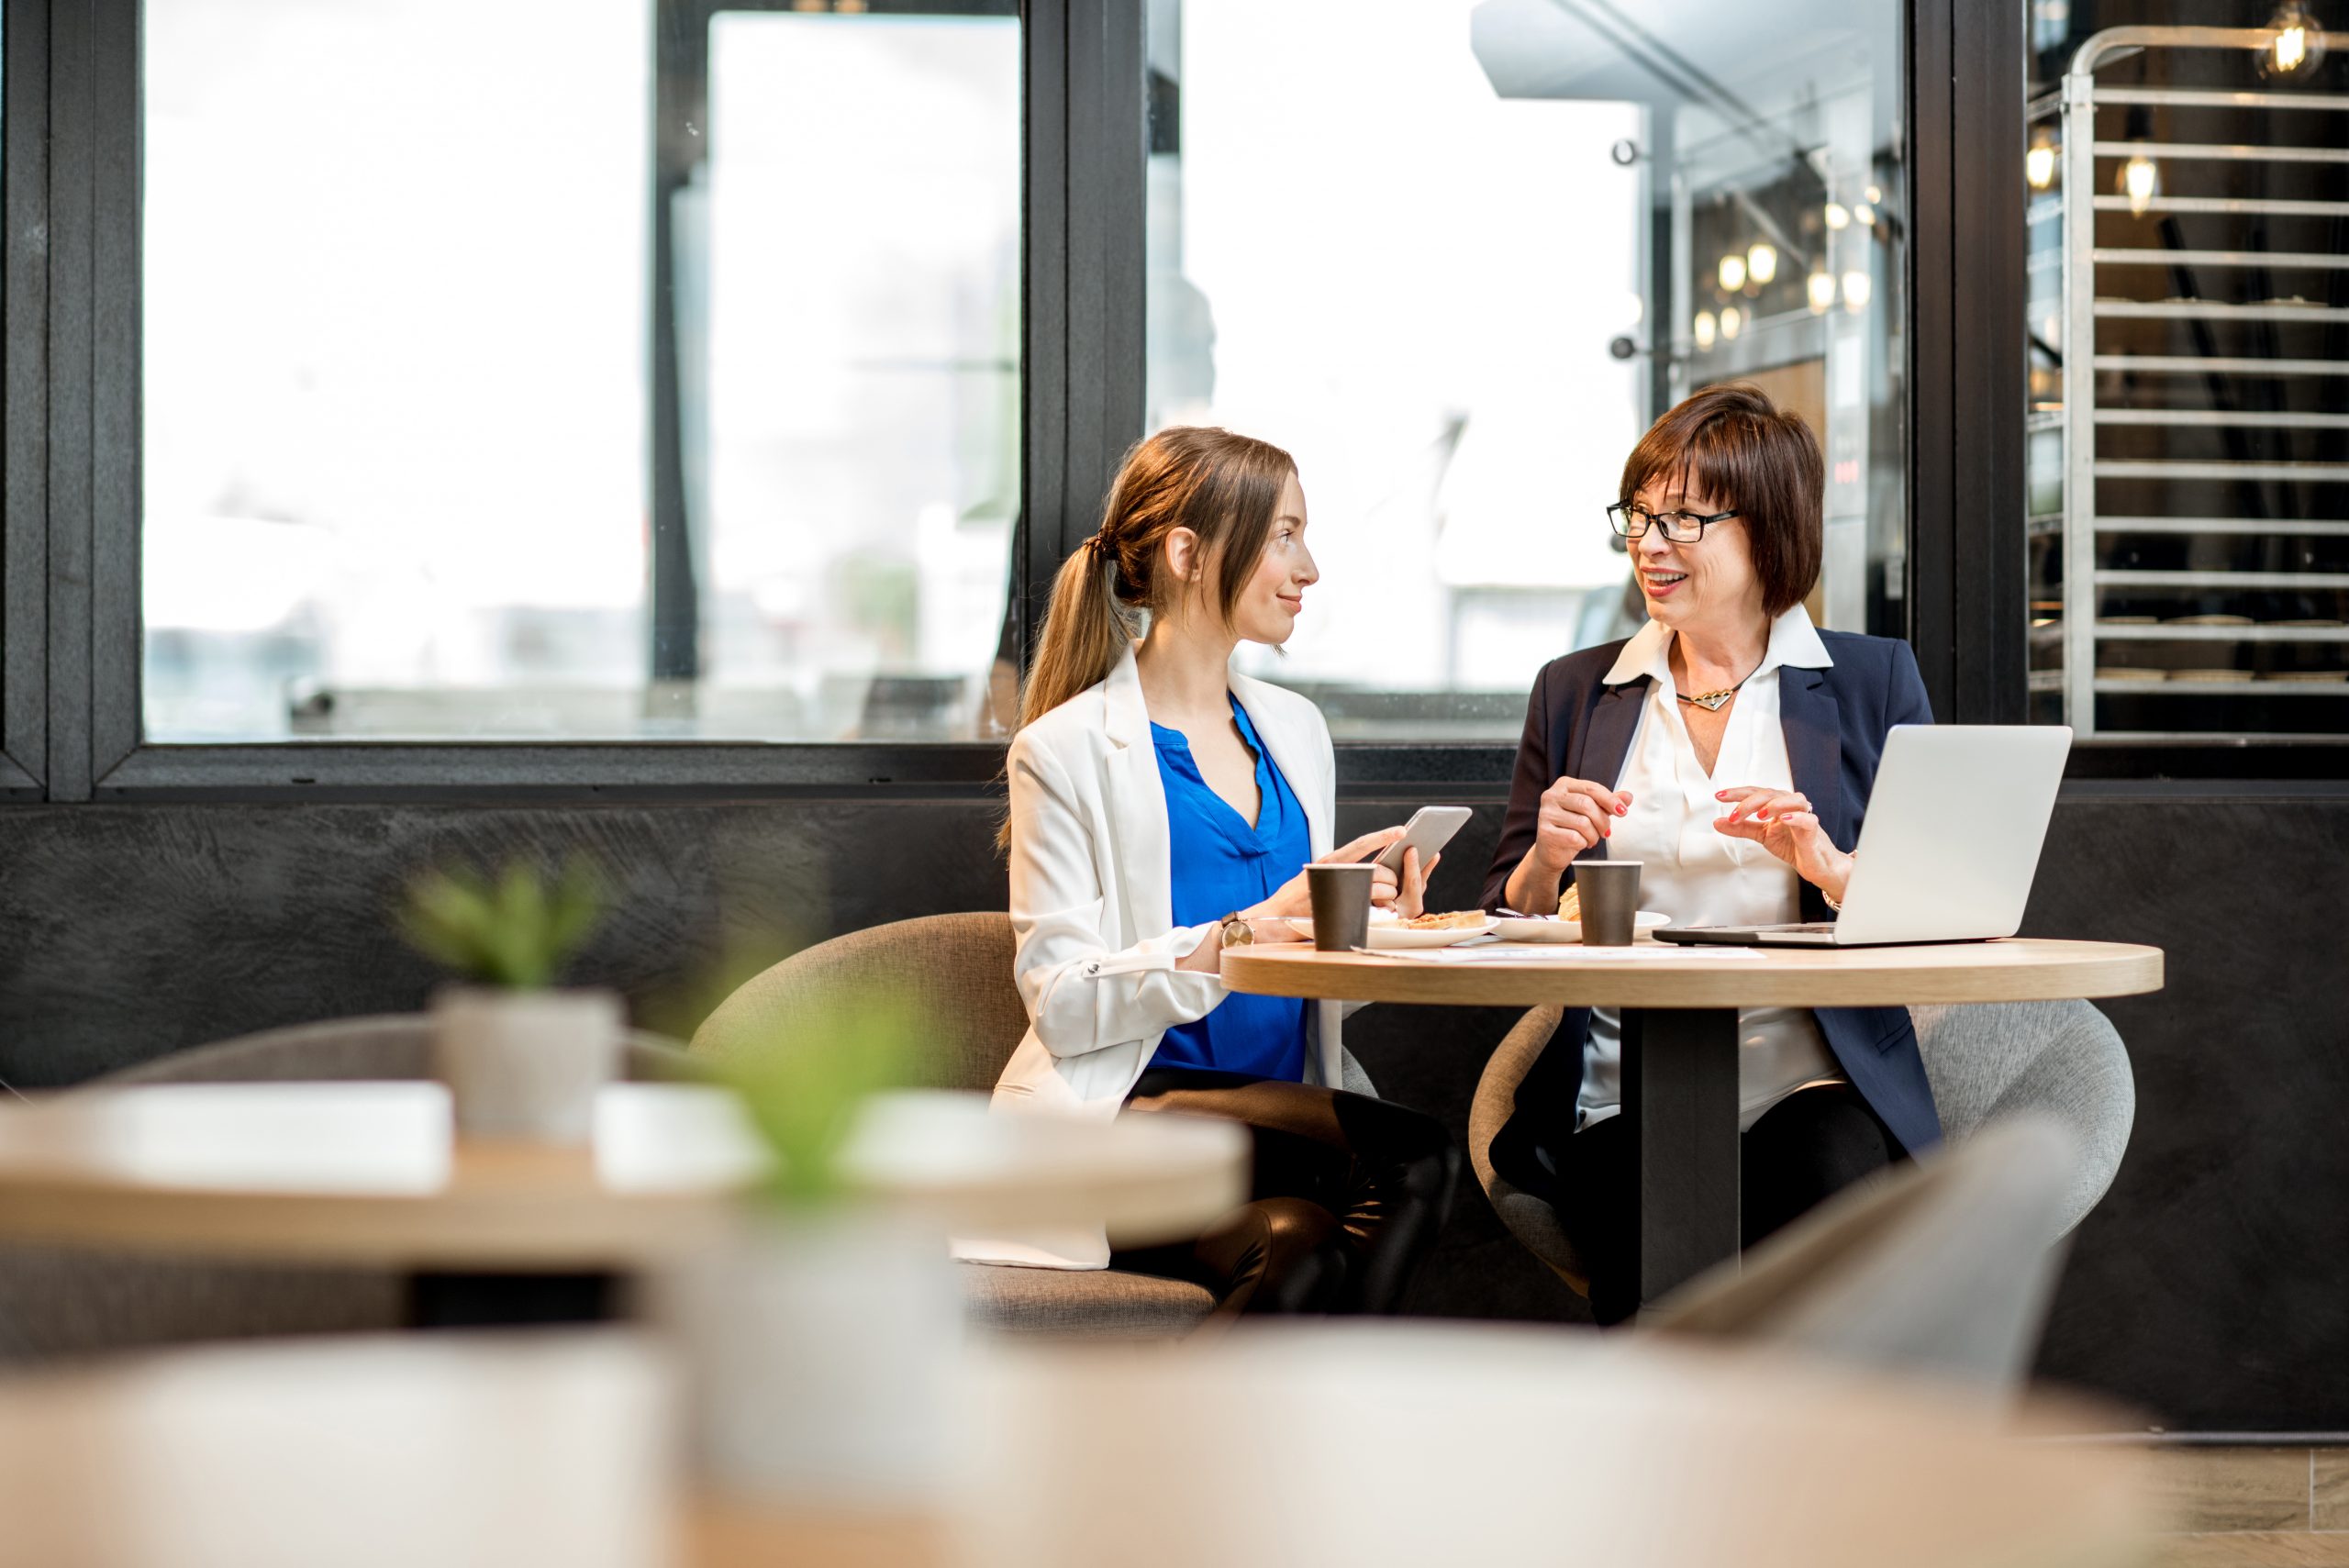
(1455, 256)
(671, 392)
(2189, 536)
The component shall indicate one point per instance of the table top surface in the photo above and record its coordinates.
(371, 1172)
(561, 1449)
(1662, 974)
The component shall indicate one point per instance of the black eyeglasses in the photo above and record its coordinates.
(1631, 520)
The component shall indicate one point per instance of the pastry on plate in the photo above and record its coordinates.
(1456, 920)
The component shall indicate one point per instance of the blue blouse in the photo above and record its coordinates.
(1219, 864)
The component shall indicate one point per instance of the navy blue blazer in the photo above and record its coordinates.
(1836, 720)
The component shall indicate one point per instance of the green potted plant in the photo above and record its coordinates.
(820, 1338)
(522, 1060)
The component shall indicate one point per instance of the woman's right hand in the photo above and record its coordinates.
(1575, 814)
(1292, 897)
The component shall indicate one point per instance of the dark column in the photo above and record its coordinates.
(1680, 1101)
(680, 148)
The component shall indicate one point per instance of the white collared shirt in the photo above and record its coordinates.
(1701, 876)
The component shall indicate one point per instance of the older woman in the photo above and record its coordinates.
(1729, 746)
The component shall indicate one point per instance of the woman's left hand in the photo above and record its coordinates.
(1782, 822)
(1406, 895)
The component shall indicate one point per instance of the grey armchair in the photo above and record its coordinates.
(1989, 1063)
(956, 970)
(57, 1302)
(1942, 1266)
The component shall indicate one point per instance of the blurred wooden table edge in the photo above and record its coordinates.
(720, 1531)
(367, 1174)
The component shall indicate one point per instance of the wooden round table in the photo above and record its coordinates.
(370, 1174)
(1679, 1022)
(1377, 1445)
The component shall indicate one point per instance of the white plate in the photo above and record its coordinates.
(1395, 935)
(1550, 928)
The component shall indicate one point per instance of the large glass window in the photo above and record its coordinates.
(1455, 256)
(2189, 375)
(577, 368)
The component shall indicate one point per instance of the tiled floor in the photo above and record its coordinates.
(2248, 1507)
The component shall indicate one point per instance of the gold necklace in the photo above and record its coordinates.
(1718, 700)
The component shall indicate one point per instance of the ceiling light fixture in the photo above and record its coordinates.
(2298, 48)
(2141, 181)
(2038, 165)
(1731, 272)
(1762, 262)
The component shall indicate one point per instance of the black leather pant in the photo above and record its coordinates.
(1347, 1196)
(1804, 1149)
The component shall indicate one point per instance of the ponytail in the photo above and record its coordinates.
(1085, 630)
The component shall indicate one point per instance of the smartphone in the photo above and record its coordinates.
(1429, 828)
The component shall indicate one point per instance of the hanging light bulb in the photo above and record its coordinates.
(1857, 289)
(1838, 217)
(2038, 165)
(1820, 287)
(1732, 320)
(1875, 194)
(1762, 262)
(1704, 328)
(2298, 48)
(1864, 213)
(1731, 272)
(2141, 181)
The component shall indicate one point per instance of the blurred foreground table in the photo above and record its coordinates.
(370, 1174)
(1679, 1010)
(1369, 1445)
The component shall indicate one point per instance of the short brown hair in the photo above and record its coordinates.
(1734, 444)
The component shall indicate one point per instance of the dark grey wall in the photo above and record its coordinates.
(2211, 1288)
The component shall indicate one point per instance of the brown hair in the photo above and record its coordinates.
(1734, 443)
(1224, 488)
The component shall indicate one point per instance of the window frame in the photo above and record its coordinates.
(70, 617)
(24, 367)
(77, 156)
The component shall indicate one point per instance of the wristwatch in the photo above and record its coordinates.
(1236, 931)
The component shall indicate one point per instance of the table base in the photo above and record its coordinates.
(440, 1299)
(1680, 1102)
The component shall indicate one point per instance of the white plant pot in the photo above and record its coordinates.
(823, 1358)
(525, 1065)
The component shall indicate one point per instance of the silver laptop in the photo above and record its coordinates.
(1950, 844)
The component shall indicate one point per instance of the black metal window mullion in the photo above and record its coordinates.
(72, 455)
(1107, 152)
(24, 400)
(1987, 401)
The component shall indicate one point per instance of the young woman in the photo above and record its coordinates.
(1163, 809)
(1730, 747)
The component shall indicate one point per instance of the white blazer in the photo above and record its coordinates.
(1093, 911)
